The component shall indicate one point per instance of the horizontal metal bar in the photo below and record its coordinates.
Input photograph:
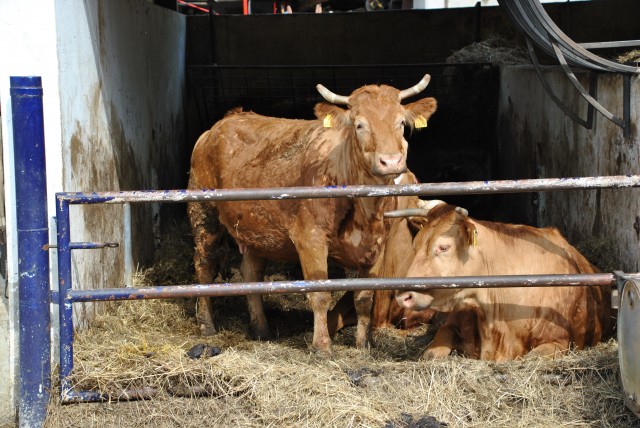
(424, 189)
(69, 396)
(605, 45)
(128, 394)
(281, 287)
(92, 245)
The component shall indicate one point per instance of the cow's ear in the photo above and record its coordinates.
(331, 115)
(469, 234)
(416, 223)
(417, 114)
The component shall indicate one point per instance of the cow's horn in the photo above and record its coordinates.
(427, 205)
(409, 212)
(415, 90)
(331, 97)
(462, 211)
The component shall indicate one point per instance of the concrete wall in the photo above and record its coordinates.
(114, 81)
(121, 104)
(537, 140)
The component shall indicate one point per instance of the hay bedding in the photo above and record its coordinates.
(144, 344)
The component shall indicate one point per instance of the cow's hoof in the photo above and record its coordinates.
(436, 353)
(207, 330)
(364, 344)
(323, 354)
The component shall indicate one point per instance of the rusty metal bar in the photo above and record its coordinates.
(281, 287)
(424, 189)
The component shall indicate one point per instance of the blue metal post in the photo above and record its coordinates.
(33, 256)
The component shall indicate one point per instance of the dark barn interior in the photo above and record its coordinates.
(270, 64)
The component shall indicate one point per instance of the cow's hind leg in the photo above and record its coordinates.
(342, 314)
(252, 269)
(207, 234)
(363, 301)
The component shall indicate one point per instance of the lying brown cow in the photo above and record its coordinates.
(363, 144)
(503, 324)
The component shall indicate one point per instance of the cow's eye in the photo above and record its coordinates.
(402, 124)
(442, 248)
(359, 126)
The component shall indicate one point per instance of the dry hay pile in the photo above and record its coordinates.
(630, 58)
(143, 345)
(493, 50)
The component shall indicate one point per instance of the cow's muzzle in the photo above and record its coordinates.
(389, 163)
(414, 300)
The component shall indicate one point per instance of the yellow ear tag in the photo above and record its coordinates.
(475, 238)
(420, 122)
(327, 121)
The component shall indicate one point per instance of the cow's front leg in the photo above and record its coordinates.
(320, 302)
(311, 245)
(459, 332)
(550, 350)
(252, 270)
(363, 301)
(442, 344)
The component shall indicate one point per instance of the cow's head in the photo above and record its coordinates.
(442, 247)
(377, 120)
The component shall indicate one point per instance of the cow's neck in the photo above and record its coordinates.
(364, 214)
(368, 211)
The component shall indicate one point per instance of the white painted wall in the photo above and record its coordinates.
(113, 80)
(537, 136)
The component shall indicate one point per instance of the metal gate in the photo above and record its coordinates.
(67, 295)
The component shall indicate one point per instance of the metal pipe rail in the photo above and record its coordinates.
(67, 295)
(310, 192)
(283, 287)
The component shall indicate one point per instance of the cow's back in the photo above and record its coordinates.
(583, 312)
(247, 150)
(250, 150)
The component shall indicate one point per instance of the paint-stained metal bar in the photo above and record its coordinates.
(33, 256)
(92, 245)
(281, 287)
(65, 307)
(127, 245)
(424, 189)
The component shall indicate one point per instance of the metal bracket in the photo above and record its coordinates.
(621, 279)
(589, 96)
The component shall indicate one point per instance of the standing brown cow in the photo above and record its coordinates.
(503, 324)
(363, 144)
